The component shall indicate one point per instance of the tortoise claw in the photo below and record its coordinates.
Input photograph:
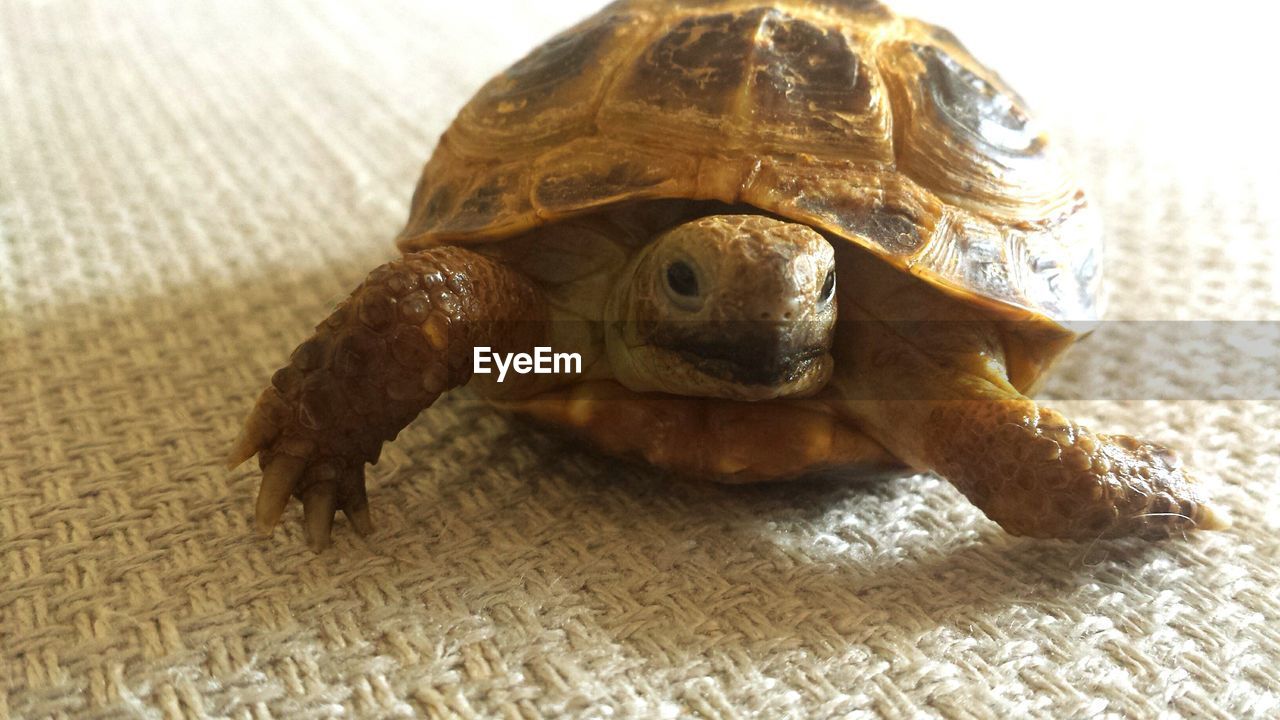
(356, 506)
(317, 514)
(260, 429)
(244, 448)
(1213, 517)
(278, 481)
(360, 519)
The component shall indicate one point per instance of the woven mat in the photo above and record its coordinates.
(186, 188)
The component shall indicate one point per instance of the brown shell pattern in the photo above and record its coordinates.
(878, 129)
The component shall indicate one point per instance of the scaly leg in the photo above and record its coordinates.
(1027, 467)
(933, 380)
(1037, 473)
(404, 336)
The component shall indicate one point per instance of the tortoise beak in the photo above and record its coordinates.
(750, 353)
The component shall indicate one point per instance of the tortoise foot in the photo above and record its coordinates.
(324, 471)
(403, 337)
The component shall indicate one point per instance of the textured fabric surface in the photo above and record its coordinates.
(185, 188)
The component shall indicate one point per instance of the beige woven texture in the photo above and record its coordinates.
(186, 188)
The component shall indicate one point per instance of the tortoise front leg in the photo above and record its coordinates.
(1028, 467)
(1037, 473)
(403, 337)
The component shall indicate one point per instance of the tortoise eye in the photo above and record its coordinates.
(682, 280)
(828, 286)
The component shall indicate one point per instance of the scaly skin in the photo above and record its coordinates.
(404, 336)
(1038, 474)
(932, 385)
(1028, 467)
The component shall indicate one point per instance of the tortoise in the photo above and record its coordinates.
(781, 238)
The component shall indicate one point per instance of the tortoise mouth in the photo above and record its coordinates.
(746, 353)
(729, 362)
(724, 370)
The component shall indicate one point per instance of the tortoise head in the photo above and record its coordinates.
(730, 306)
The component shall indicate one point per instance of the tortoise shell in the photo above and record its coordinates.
(876, 129)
